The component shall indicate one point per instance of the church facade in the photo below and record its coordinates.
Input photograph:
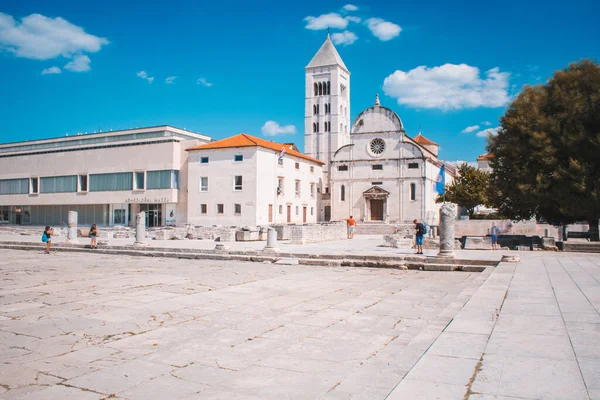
(373, 170)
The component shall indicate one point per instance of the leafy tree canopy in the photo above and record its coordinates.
(469, 189)
(546, 156)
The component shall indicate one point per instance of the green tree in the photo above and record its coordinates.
(469, 189)
(546, 156)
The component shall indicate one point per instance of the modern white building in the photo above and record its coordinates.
(245, 180)
(106, 177)
(373, 170)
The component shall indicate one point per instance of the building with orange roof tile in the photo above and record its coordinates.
(246, 180)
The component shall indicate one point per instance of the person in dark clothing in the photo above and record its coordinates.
(93, 237)
(47, 238)
(419, 232)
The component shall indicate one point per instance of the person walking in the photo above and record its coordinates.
(93, 237)
(47, 238)
(351, 223)
(495, 231)
(419, 232)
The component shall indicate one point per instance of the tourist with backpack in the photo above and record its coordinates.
(47, 238)
(420, 231)
(94, 237)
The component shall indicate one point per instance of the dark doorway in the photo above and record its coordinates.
(376, 210)
(327, 213)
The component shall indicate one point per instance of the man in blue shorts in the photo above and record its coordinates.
(419, 232)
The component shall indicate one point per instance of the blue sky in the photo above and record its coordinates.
(442, 66)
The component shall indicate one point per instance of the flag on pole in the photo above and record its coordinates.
(441, 181)
(281, 154)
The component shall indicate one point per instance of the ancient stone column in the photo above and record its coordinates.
(271, 240)
(72, 227)
(446, 230)
(140, 229)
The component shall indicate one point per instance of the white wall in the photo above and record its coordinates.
(260, 172)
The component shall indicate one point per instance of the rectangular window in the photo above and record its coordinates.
(376, 183)
(203, 160)
(119, 216)
(203, 209)
(238, 158)
(280, 185)
(377, 166)
(14, 186)
(280, 162)
(33, 186)
(413, 165)
(297, 165)
(297, 210)
(312, 170)
(237, 209)
(165, 179)
(82, 183)
(237, 183)
(280, 209)
(312, 210)
(204, 184)
(110, 182)
(61, 184)
(138, 181)
(312, 190)
(220, 209)
(298, 189)
(343, 168)
(413, 192)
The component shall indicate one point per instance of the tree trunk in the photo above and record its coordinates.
(471, 212)
(594, 229)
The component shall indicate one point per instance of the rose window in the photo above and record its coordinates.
(377, 146)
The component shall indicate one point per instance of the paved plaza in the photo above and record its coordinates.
(93, 326)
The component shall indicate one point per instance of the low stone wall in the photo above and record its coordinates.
(314, 233)
(478, 227)
(283, 231)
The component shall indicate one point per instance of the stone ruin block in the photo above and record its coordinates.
(478, 243)
(246, 236)
(398, 241)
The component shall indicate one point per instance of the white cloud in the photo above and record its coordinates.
(488, 132)
(350, 7)
(324, 21)
(470, 129)
(272, 128)
(170, 80)
(203, 81)
(448, 87)
(486, 123)
(42, 38)
(144, 75)
(80, 63)
(345, 38)
(353, 19)
(382, 29)
(51, 70)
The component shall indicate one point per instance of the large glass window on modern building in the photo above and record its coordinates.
(167, 179)
(58, 184)
(14, 186)
(109, 182)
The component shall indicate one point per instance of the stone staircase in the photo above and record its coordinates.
(378, 228)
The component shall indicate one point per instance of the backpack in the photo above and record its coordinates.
(425, 228)
(44, 237)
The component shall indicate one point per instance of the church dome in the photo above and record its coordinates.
(377, 119)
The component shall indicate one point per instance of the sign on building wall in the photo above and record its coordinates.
(171, 217)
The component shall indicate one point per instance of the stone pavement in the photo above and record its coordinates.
(360, 245)
(92, 326)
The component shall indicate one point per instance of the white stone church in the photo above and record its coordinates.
(373, 170)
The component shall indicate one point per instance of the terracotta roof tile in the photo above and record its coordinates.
(423, 140)
(245, 140)
(485, 157)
